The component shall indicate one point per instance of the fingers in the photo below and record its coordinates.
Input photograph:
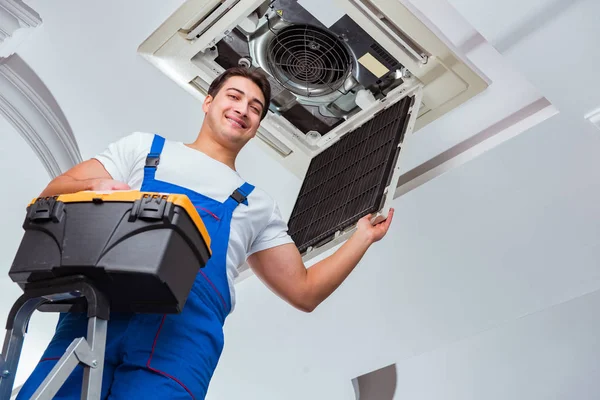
(389, 218)
(120, 186)
(367, 218)
(385, 225)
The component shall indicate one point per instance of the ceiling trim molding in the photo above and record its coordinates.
(14, 14)
(594, 117)
(32, 110)
(376, 385)
(492, 136)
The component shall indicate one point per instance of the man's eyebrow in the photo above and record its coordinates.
(241, 92)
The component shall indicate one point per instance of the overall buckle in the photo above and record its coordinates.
(238, 196)
(152, 161)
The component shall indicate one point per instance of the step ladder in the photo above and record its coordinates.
(65, 294)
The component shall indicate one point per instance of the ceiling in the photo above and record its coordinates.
(486, 268)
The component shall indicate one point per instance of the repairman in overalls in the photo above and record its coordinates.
(174, 356)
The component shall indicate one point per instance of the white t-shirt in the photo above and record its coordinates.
(255, 227)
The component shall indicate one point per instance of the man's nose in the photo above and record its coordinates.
(241, 108)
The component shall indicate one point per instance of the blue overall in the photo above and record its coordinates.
(151, 356)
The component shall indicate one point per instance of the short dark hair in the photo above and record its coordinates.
(255, 76)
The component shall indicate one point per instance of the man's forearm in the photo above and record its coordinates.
(65, 184)
(281, 267)
(327, 275)
(87, 175)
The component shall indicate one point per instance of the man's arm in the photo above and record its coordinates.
(281, 268)
(88, 175)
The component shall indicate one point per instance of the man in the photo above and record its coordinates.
(174, 356)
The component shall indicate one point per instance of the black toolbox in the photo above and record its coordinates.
(142, 250)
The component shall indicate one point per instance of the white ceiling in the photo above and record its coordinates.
(508, 92)
(466, 285)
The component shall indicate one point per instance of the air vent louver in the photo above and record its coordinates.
(308, 60)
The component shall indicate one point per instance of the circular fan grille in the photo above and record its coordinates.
(308, 60)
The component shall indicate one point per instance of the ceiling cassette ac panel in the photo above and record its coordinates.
(336, 69)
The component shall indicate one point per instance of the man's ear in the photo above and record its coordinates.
(207, 102)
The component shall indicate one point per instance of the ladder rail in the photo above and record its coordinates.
(16, 327)
(51, 295)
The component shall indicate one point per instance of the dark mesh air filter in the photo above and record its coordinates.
(346, 181)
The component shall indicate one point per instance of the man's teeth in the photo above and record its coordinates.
(235, 122)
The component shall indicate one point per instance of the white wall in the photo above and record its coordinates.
(552, 354)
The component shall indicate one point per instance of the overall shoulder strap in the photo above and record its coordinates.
(153, 158)
(239, 196)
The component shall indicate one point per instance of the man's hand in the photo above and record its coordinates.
(102, 184)
(374, 233)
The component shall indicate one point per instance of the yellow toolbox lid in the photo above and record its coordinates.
(131, 196)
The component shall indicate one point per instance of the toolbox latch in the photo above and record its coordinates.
(151, 207)
(45, 209)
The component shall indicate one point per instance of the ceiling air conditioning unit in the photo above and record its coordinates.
(350, 79)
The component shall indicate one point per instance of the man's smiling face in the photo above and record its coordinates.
(234, 114)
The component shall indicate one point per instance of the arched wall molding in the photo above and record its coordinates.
(30, 107)
(14, 15)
